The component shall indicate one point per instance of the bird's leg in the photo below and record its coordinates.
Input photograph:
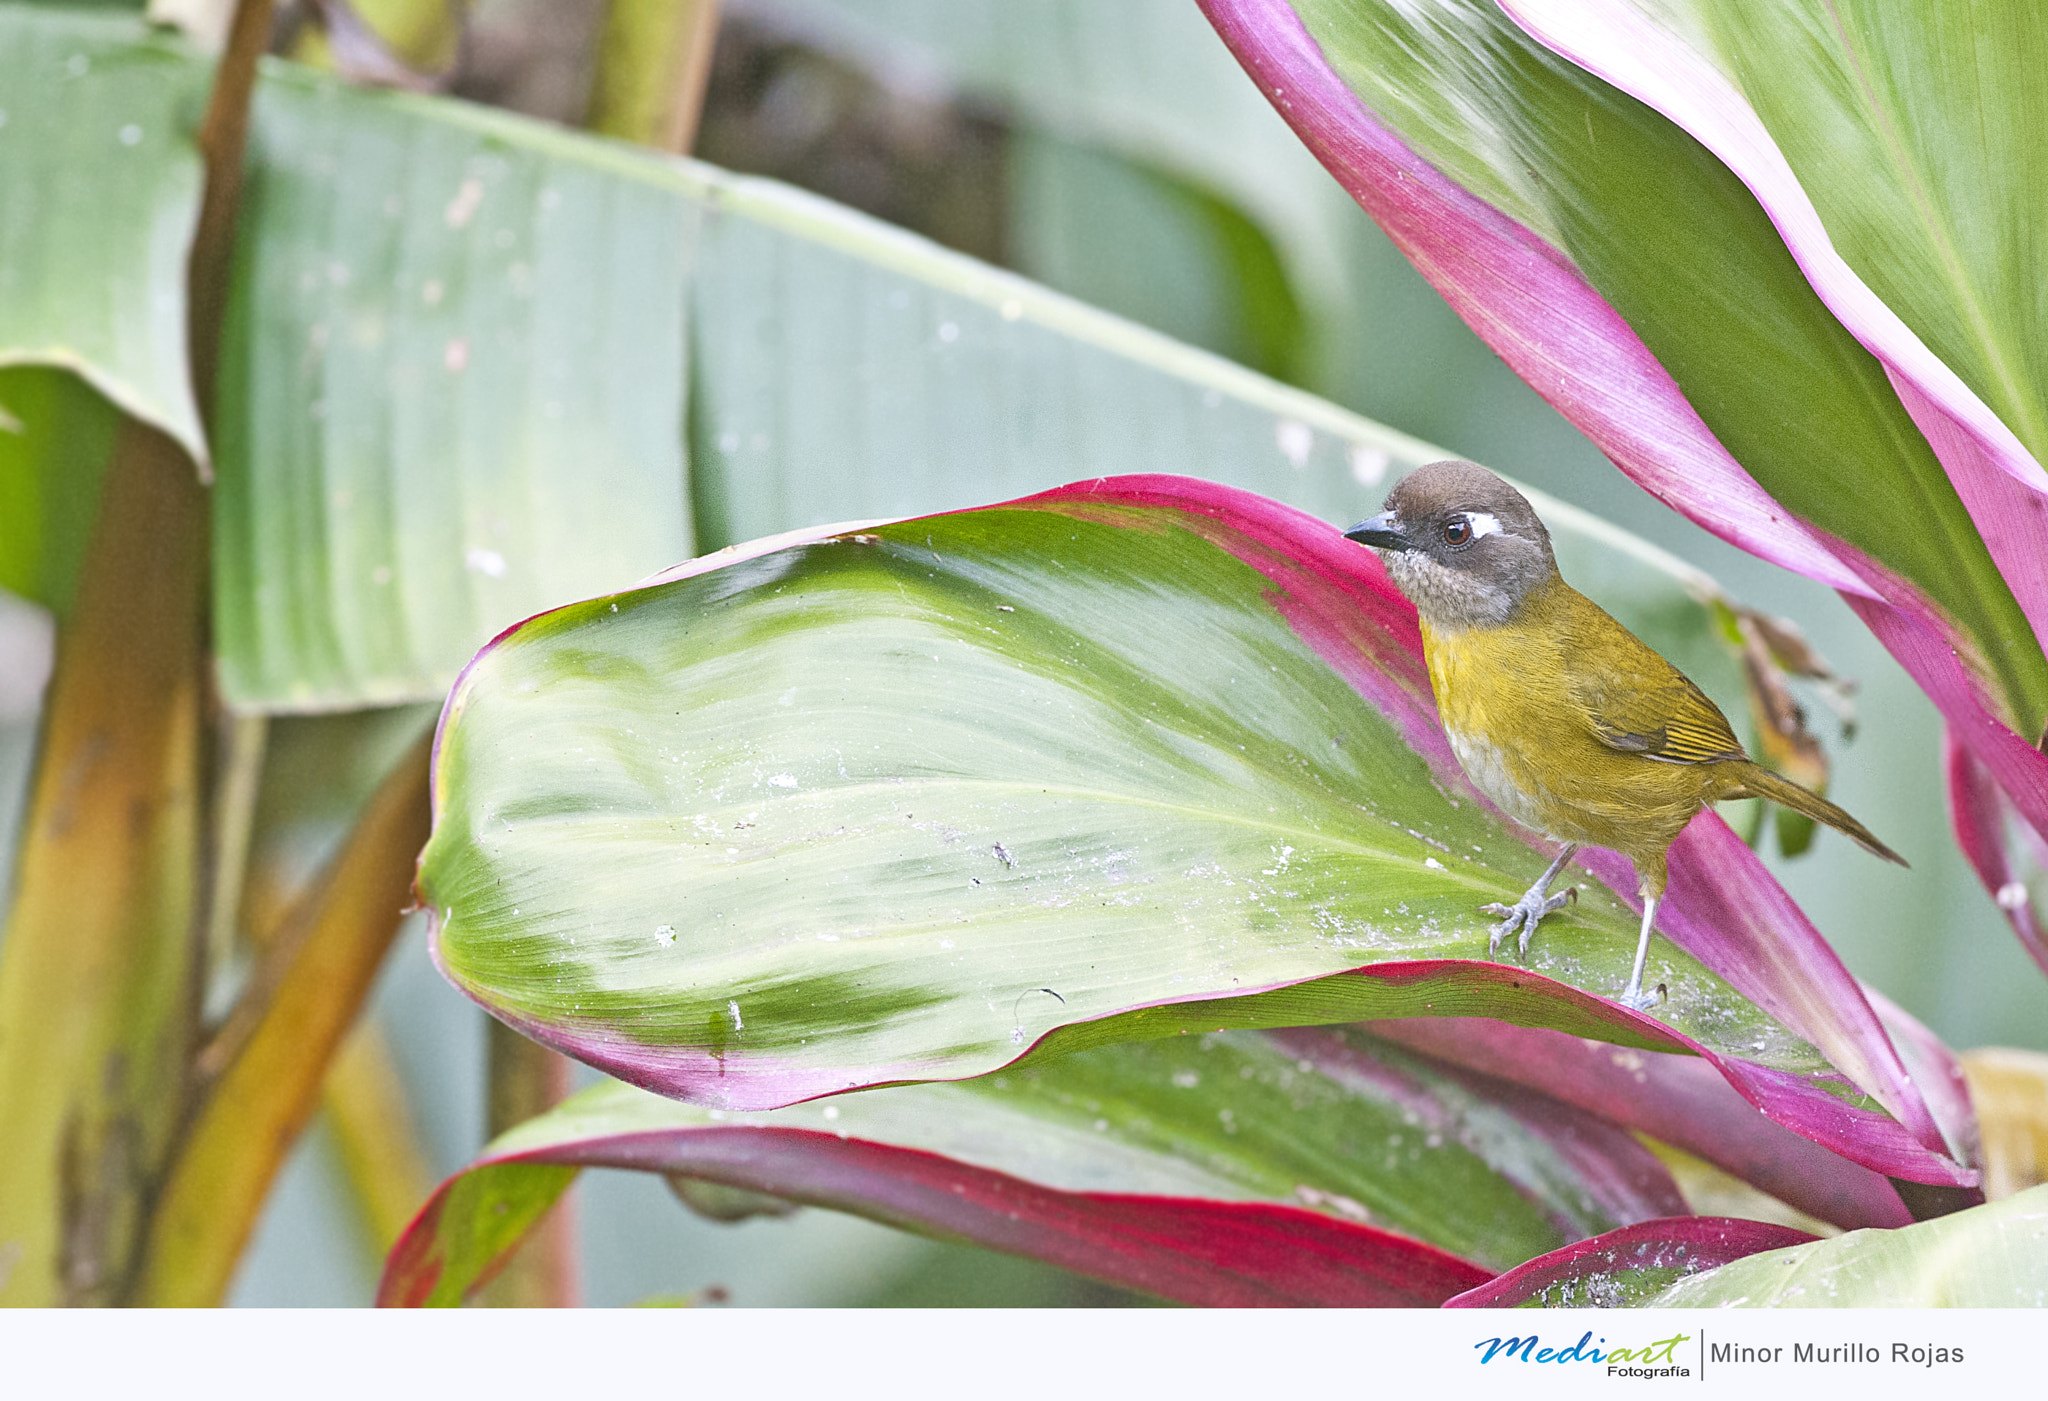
(1634, 997)
(1534, 904)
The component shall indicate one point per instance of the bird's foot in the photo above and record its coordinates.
(1524, 915)
(1636, 1000)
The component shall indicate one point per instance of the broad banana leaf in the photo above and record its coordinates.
(56, 438)
(393, 243)
(92, 271)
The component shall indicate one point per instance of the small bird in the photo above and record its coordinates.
(1557, 713)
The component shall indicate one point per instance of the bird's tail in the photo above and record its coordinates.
(1760, 782)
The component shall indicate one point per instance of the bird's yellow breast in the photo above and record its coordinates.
(1506, 696)
(1492, 687)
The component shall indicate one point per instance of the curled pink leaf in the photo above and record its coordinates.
(1678, 1099)
(1523, 297)
(1629, 1264)
(2004, 488)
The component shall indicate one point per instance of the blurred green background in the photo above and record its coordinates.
(1116, 153)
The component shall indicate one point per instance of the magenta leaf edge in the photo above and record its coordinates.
(1688, 1242)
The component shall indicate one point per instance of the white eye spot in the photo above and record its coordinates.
(1483, 524)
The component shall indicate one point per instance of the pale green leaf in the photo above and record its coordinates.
(102, 193)
(897, 806)
(1993, 1256)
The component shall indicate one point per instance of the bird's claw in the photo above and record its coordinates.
(1636, 1000)
(1524, 915)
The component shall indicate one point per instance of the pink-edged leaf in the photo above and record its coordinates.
(1678, 1099)
(468, 1229)
(1723, 905)
(1579, 1163)
(1214, 1254)
(1523, 297)
(906, 803)
(1458, 989)
(1952, 673)
(1455, 78)
(1629, 1266)
(2009, 510)
(1678, 70)
(1668, 68)
(2005, 773)
(1988, 1257)
(1619, 267)
(2008, 855)
(1726, 907)
(1938, 1074)
(1304, 1167)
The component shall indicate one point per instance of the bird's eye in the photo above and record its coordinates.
(1457, 530)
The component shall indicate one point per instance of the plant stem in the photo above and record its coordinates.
(98, 986)
(278, 1044)
(424, 35)
(222, 138)
(234, 813)
(654, 59)
(528, 1079)
(365, 1103)
(99, 968)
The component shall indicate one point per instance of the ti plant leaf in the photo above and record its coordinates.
(1632, 1266)
(1993, 1256)
(1899, 161)
(1693, 319)
(1121, 760)
(2009, 854)
(1306, 1166)
(1678, 1099)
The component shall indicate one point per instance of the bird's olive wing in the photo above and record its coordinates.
(1638, 703)
(1679, 742)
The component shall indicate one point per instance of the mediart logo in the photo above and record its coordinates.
(1658, 1359)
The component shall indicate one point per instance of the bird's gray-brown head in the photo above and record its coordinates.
(1462, 544)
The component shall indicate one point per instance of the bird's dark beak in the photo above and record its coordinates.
(1381, 532)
